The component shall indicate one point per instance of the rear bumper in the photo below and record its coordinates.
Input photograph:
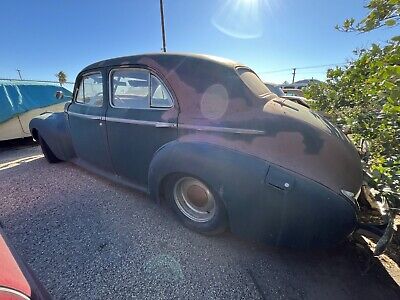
(382, 232)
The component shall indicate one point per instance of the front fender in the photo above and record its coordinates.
(54, 129)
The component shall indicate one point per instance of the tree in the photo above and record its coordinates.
(62, 77)
(365, 95)
(381, 13)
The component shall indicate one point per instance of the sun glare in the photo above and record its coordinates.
(242, 18)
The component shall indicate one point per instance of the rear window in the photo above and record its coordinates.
(253, 82)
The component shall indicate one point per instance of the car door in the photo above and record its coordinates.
(86, 115)
(141, 118)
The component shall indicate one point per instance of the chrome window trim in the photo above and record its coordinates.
(110, 89)
(77, 90)
(222, 129)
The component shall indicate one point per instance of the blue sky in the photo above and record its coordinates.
(43, 37)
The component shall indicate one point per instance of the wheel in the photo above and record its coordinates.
(48, 154)
(195, 204)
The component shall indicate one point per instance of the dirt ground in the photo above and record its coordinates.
(87, 238)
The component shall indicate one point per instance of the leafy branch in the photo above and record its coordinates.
(382, 13)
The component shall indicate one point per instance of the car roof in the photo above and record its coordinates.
(161, 57)
(191, 78)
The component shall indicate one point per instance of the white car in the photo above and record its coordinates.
(21, 101)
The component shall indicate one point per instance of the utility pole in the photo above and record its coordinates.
(19, 73)
(164, 47)
(294, 74)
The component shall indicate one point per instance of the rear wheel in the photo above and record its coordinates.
(196, 205)
(48, 154)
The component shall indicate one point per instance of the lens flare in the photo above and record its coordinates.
(243, 19)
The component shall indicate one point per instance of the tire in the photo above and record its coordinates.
(48, 154)
(183, 192)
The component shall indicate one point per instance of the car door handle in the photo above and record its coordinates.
(165, 125)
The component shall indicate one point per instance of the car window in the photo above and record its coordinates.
(130, 88)
(252, 81)
(160, 97)
(90, 91)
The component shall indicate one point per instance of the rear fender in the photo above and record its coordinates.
(234, 176)
(263, 201)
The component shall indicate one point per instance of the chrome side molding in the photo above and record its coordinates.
(85, 116)
(222, 129)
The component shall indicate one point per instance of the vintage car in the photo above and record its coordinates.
(17, 281)
(21, 101)
(207, 136)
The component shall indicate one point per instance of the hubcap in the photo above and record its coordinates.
(194, 199)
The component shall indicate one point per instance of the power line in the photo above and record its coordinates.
(302, 68)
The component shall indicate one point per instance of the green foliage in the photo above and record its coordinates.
(62, 77)
(381, 13)
(365, 96)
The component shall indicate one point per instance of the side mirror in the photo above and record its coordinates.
(59, 95)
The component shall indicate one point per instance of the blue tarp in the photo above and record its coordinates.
(17, 97)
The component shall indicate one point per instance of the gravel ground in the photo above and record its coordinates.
(87, 238)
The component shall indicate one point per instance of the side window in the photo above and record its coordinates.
(160, 96)
(252, 81)
(130, 88)
(91, 90)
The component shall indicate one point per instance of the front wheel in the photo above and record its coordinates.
(196, 205)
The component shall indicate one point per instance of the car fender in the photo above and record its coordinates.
(54, 129)
(264, 201)
(227, 172)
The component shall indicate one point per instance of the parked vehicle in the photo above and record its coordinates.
(21, 101)
(17, 281)
(207, 136)
(279, 92)
(293, 92)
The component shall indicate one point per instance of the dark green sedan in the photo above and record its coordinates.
(207, 136)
